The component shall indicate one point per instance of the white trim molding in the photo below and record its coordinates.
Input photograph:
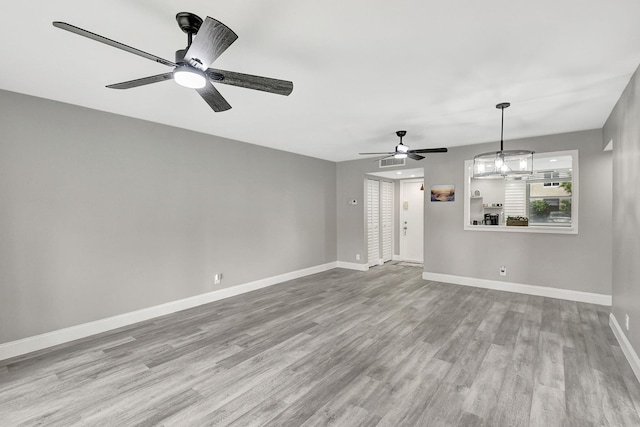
(625, 345)
(543, 291)
(352, 266)
(61, 336)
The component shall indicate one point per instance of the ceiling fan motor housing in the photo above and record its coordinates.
(180, 56)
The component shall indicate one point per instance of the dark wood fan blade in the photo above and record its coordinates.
(212, 97)
(429, 150)
(248, 81)
(143, 81)
(212, 39)
(366, 154)
(414, 156)
(101, 39)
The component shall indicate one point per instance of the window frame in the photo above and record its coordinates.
(538, 228)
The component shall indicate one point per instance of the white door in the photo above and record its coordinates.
(411, 220)
(386, 214)
(373, 222)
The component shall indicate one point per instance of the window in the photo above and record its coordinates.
(545, 201)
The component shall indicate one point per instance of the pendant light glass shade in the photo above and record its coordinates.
(500, 164)
(503, 163)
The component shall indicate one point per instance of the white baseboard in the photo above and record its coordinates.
(61, 336)
(625, 345)
(542, 291)
(353, 266)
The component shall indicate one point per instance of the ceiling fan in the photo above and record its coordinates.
(402, 151)
(191, 66)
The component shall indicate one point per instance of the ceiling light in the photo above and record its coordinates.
(503, 163)
(189, 77)
(400, 155)
(398, 173)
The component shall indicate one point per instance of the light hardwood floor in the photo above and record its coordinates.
(343, 348)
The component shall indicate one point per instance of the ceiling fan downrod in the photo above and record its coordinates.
(189, 23)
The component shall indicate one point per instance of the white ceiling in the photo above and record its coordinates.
(361, 69)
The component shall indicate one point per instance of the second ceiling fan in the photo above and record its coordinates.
(402, 151)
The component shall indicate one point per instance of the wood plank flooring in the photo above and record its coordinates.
(341, 348)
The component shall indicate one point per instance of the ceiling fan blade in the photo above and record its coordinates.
(415, 156)
(212, 39)
(141, 82)
(212, 97)
(366, 154)
(101, 39)
(248, 81)
(429, 150)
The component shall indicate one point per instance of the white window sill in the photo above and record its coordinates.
(519, 229)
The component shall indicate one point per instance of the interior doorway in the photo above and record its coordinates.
(412, 220)
(385, 242)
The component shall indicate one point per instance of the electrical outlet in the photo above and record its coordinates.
(357, 257)
(217, 278)
(503, 270)
(626, 321)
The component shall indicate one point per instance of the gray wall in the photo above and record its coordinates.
(577, 262)
(623, 126)
(102, 214)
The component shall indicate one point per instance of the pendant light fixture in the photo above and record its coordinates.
(503, 163)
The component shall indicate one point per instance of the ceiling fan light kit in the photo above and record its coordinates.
(206, 41)
(504, 163)
(189, 77)
(402, 151)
